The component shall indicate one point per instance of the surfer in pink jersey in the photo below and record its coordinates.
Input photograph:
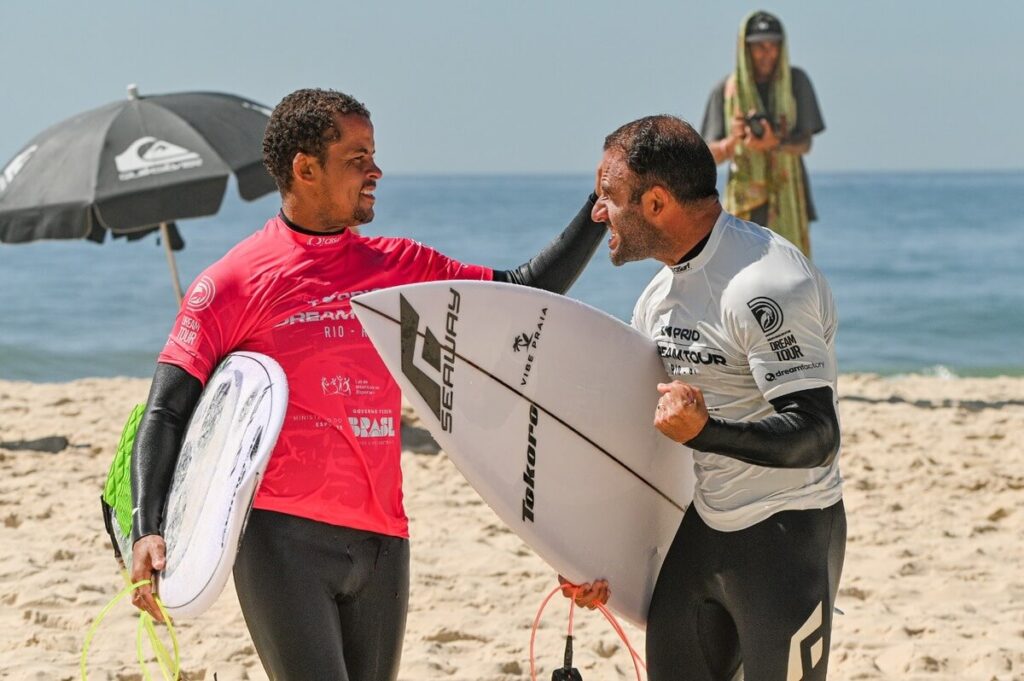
(745, 326)
(322, 574)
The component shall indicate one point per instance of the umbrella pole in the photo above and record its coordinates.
(175, 281)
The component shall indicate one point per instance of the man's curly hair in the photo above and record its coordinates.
(304, 121)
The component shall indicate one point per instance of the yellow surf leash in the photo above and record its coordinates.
(170, 667)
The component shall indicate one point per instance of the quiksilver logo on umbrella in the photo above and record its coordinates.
(15, 166)
(257, 107)
(151, 156)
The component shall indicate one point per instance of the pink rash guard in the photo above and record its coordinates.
(286, 294)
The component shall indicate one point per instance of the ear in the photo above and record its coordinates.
(305, 167)
(654, 201)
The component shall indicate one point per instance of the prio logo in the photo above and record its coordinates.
(530, 474)
(438, 396)
(202, 294)
(151, 156)
(768, 314)
(337, 296)
(676, 332)
(15, 166)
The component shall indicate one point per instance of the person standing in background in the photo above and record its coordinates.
(761, 118)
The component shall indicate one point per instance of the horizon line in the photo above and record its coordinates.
(812, 172)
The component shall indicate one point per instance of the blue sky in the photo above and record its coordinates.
(532, 86)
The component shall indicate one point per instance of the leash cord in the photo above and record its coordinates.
(170, 668)
(637, 660)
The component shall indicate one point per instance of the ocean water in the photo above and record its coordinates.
(926, 269)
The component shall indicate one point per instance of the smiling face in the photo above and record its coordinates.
(348, 175)
(764, 56)
(633, 237)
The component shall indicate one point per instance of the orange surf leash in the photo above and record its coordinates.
(567, 672)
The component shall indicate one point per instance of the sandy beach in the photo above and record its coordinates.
(933, 586)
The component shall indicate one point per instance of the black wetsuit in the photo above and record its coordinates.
(322, 601)
(762, 596)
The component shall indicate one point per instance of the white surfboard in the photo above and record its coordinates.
(546, 407)
(225, 450)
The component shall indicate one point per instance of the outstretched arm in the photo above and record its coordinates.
(559, 264)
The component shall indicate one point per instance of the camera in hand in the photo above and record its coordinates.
(756, 123)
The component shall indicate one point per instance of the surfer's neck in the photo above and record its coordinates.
(692, 229)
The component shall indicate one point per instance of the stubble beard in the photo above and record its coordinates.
(362, 216)
(638, 240)
(358, 216)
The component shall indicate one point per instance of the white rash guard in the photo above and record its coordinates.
(747, 320)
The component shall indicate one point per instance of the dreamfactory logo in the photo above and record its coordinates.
(439, 396)
(768, 314)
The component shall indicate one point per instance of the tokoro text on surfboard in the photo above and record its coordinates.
(529, 475)
(438, 396)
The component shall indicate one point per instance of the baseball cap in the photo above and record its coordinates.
(764, 27)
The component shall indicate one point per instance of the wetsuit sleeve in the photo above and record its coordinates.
(172, 397)
(214, 317)
(802, 433)
(560, 263)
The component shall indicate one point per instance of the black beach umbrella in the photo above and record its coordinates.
(133, 167)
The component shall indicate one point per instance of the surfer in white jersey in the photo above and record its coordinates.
(745, 326)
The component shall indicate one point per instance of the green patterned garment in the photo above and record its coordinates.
(117, 492)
